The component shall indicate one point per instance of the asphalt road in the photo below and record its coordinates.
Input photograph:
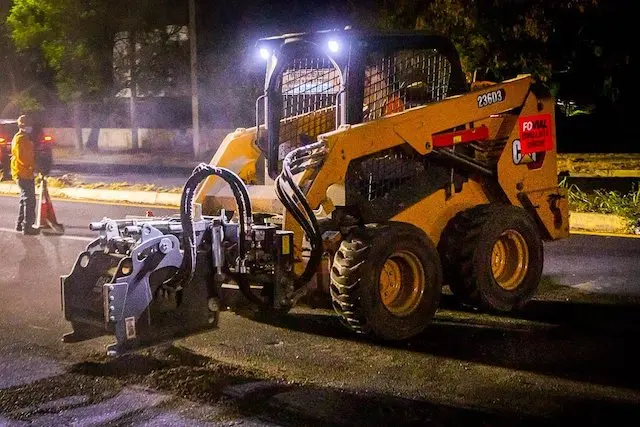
(569, 356)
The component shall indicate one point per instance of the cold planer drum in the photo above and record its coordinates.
(150, 280)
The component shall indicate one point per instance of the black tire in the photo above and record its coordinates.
(357, 285)
(486, 234)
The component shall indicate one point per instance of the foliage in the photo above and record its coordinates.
(161, 61)
(72, 181)
(502, 36)
(19, 72)
(26, 102)
(606, 202)
(77, 37)
(71, 36)
(579, 46)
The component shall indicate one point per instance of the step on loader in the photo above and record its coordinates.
(374, 177)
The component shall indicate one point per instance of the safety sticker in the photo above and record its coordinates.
(130, 327)
(286, 245)
(536, 133)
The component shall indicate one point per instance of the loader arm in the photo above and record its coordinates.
(417, 128)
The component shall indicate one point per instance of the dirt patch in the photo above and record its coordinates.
(587, 163)
(72, 181)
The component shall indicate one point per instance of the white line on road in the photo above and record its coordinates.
(64, 236)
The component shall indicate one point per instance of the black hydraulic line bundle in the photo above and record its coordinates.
(199, 174)
(293, 200)
(297, 204)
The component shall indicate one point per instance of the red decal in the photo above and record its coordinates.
(536, 133)
(452, 138)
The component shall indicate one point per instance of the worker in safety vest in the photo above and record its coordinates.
(23, 164)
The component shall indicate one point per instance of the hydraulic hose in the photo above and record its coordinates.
(305, 217)
(200, 173)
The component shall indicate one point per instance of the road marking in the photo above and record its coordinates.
(595, 233)
(67, 237)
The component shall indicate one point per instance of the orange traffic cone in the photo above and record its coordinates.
(46, 219)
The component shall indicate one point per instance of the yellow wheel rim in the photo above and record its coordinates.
(402, 283)
(510, 260)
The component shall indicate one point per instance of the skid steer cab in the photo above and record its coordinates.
(373, 178)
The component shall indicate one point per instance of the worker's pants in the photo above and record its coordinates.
(27, 212)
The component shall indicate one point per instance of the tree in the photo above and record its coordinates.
(74, 38)
(74, 41)
(77, 39)
(580, 48)
(19, 91)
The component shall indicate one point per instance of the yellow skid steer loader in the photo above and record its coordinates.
(374, 176)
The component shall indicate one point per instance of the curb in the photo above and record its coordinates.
(578, 221)
(599, 223)
(602, 173)
(137, 197)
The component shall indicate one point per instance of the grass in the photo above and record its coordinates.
(606, 202)
(587, 163)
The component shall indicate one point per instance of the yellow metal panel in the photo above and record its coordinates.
(290, 224)
(551, 207)
(418, 124)
(286, 245)
(237, 152)
(432, 213)
(518, 180)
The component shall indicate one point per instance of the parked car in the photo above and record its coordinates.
(43, 146)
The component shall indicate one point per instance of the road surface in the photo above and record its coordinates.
(569, 356)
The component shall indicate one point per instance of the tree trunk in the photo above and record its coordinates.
(77, 126)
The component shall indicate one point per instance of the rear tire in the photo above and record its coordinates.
(492, 257)
(386, 282)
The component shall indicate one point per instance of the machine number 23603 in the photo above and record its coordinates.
(490, 98)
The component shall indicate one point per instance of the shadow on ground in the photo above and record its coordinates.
(242, 395)
(245, 395)
(577, 341)
(585, 342)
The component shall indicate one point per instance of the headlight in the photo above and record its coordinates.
(333, 46)
(264, 53)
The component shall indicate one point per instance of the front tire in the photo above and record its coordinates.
(386, 282)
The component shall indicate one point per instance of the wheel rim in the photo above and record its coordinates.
(510, 260)
(402, 283)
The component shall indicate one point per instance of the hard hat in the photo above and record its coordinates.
(22, 120)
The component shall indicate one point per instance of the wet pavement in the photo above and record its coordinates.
(569, 356)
